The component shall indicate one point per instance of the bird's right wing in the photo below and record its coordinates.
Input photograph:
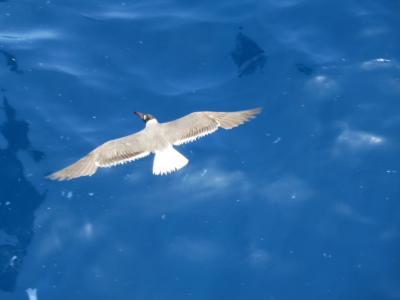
(111, 153)
(199, 124)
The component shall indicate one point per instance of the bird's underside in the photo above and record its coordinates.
(156, 138)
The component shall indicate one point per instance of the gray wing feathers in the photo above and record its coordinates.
(120, 151)
(229, 120)
(84, 167)
(199, 124)
(109, 154)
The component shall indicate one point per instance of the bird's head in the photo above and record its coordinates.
(144, 117)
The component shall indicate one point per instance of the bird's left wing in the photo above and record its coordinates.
(111, 153)
(199, 124)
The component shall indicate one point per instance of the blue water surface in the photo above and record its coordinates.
(300, 203)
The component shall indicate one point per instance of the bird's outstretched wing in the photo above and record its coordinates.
(111, 153)
(198, 124)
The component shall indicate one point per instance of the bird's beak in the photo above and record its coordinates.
(139, 114)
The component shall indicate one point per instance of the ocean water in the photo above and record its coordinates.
(302, 202)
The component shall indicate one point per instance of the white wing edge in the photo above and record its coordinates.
(195, 137)
(122, 161)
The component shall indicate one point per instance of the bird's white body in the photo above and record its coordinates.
(166, 158)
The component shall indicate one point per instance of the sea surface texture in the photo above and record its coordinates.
(302, 202)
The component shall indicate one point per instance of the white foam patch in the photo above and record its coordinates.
(142, 11)
(379, 63)
(67, 194)
(322, 86)
(359, 139)
(12, 260)
(32, 294)
(323, 82)
(27, 36)
(62, 67)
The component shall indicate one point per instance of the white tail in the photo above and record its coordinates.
(167, 161)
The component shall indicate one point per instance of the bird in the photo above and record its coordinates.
(158, 139)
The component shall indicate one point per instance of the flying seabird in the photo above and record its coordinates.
(157, 138)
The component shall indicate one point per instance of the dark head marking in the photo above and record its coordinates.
(144, 117)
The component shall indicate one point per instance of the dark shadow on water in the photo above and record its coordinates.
(248, 56)
(304, 69)
(11, 62)
(18, 198)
